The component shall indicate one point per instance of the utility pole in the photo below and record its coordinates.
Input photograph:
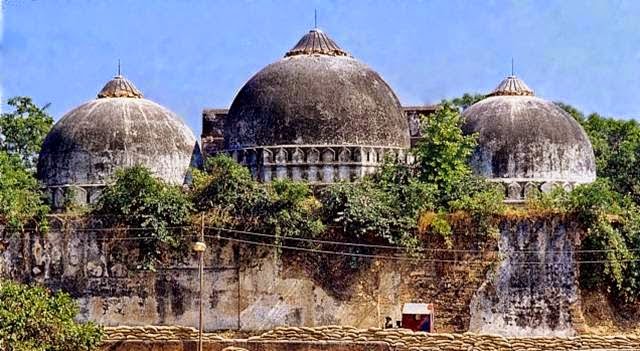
(200, 247)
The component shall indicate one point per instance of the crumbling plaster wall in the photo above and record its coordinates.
(247, 288)
(534, 290)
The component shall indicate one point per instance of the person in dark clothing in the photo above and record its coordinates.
(388, 323)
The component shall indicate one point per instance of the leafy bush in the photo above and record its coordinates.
(33, 319)
(226, 184)
(482, 200)
(365, 211)
(282, 207)
(293, 210)
(21, 199)
(612, 222)
(407, 193)
(139, 200)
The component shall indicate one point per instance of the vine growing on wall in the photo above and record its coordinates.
(612, 224)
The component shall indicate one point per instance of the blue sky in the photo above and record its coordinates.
(189, 54)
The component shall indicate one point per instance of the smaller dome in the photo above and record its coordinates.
(118, 129)
(523, 138)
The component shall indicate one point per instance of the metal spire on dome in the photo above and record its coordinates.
(318, 43)
(512, 86)
(513, 74)
(119, 87)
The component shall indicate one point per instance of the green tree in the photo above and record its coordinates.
(574, 112)
(616, 145)
(33, 319)
(139, 200)
(21, 200)
(467, 100)
(23, 130)
(443, 155)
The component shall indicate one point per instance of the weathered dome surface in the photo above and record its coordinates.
(316, 95)
(119, 129)
(525, 138)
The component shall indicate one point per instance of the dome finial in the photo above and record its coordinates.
(512, 86)
(316, 42)
(119, 87)
(315, 18)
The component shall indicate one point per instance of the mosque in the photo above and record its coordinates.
(318, 115)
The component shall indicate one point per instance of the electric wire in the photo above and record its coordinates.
(402, 258)
(348, 244)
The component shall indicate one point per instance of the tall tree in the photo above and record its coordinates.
(444, 153)
(616, 145)
(23, 130)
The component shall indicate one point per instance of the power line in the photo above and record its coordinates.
(400, 258)
(401, 248)
(326, 242)
(329, 242)
(361, 255)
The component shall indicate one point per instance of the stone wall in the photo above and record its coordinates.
(341, 338)
(253, 288)
(534, 289)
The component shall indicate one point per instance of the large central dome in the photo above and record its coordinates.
(316, 95)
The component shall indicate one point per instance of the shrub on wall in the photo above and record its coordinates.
(149, 206)
(21, 200)
(34, 319)
(226, 191)
(609, 247)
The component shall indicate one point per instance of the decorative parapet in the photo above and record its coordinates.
(321, 164)
(80, 194)
(518, 190)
